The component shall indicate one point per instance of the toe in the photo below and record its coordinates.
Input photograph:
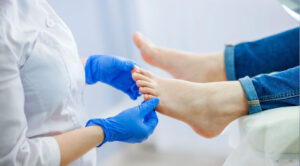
(135, 68)
(141, 42)
(149, 91)
(141, 83)
(137, 39)
(148, 97)
(145, 46)
(137, 76)
(143, 72)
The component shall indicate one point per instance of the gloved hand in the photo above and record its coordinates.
(112, 70)
(133, 125)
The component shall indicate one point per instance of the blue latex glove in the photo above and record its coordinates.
(133, 125)
(112, 70)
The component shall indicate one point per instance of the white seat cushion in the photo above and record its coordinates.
(274, 131)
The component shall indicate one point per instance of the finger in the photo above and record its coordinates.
(150, 116)
(134, 88)
(134, 92)
(126, 65)
(148, 106)
(123, 63)
(151, 121)
(137, 76)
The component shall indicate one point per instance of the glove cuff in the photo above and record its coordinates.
(103, 124)
(89, 72)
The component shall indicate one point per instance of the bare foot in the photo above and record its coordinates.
(207, 107)
(183, 65)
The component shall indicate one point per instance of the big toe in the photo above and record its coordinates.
(142, 43)
(137, 39)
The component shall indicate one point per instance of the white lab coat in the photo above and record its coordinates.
(41, 84)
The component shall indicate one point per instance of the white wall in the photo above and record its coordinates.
(106, 27)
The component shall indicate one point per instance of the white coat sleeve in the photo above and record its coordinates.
(15, 147)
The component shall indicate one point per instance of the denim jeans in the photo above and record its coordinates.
(276, 59)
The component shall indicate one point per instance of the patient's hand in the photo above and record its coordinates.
(207, 107)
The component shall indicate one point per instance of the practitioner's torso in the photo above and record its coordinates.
(51, 71)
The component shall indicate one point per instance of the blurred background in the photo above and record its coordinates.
(106, 27)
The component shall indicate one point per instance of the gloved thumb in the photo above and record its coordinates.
(148, 106)
(151, 121)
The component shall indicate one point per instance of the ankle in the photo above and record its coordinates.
(214, 64)
(229, 99)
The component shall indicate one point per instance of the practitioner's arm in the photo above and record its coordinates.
(133, 125)
(83, 60)
(76, 143)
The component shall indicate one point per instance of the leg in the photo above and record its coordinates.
(183, 65)
(245, 59)
(269, 91)
(207, 107)
(275, 53)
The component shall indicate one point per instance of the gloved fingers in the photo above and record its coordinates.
(150, 117)
(148, 106)
(134, 92)
(89, 76)
(126, 65)
(151, 121)
(134, 88)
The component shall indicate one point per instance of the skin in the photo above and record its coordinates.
(197, 104)
(76, 143)
(207, 107)
(183, 65)
(201, 96)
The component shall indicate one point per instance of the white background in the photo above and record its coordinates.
(106, 27)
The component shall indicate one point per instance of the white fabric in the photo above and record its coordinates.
(269, 138)
(291, 13)
(41, 84)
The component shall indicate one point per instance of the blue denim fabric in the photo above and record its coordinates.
(276, 53)
(278, 89)
(253, 100)
(229, 61)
